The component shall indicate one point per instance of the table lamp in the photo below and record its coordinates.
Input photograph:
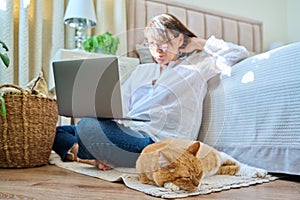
(80, 14)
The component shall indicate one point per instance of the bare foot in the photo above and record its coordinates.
(102, 166)
(72, 154)
(87, 161)
(96, 163)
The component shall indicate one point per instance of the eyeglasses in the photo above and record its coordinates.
(153, 46)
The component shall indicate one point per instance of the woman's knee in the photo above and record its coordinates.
(90, 131)
(70, 129)
(88, 126)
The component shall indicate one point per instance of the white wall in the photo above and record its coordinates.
(293, 18)
(280, 17)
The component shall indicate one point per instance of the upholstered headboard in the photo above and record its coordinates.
(203, 23)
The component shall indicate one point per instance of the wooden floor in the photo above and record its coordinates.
(51, 182)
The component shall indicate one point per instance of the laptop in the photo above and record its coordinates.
(89, 87)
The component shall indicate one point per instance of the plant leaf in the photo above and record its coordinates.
(2, 108)
(4, 45)
(94, 43)
(5, 59)
(86, 45)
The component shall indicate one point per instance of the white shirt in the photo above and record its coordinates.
(174, 103)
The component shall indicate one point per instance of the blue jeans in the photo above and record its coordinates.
(104, 140)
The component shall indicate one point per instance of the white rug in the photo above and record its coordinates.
(208, 185)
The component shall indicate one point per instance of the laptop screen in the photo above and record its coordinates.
(88, 87)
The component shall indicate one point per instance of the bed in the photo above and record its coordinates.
(254, 115)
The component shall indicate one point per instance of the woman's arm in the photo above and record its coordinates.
(225, 54)
(232, 53)
(229, 52)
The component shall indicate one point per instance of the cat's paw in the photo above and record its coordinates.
(260, 173)
(253, 172)
(171, 186)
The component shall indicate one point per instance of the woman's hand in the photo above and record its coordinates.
(194, 43)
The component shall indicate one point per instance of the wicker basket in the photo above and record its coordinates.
(27, 130)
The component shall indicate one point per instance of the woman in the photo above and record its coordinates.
(168, 93)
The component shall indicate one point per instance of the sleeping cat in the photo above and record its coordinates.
(181, 164)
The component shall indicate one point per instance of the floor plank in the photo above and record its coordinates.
(51, 182)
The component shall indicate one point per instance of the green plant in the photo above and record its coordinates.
(3, 55)
(106, 42)
(5, 59)
(2, 106)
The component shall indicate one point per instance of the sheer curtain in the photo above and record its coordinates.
(34, 30)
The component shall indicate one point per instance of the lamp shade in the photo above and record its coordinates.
(80, 13)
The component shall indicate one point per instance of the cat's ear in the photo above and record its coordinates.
(163, 161)
(194, 148)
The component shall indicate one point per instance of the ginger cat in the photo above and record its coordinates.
(181, 164)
